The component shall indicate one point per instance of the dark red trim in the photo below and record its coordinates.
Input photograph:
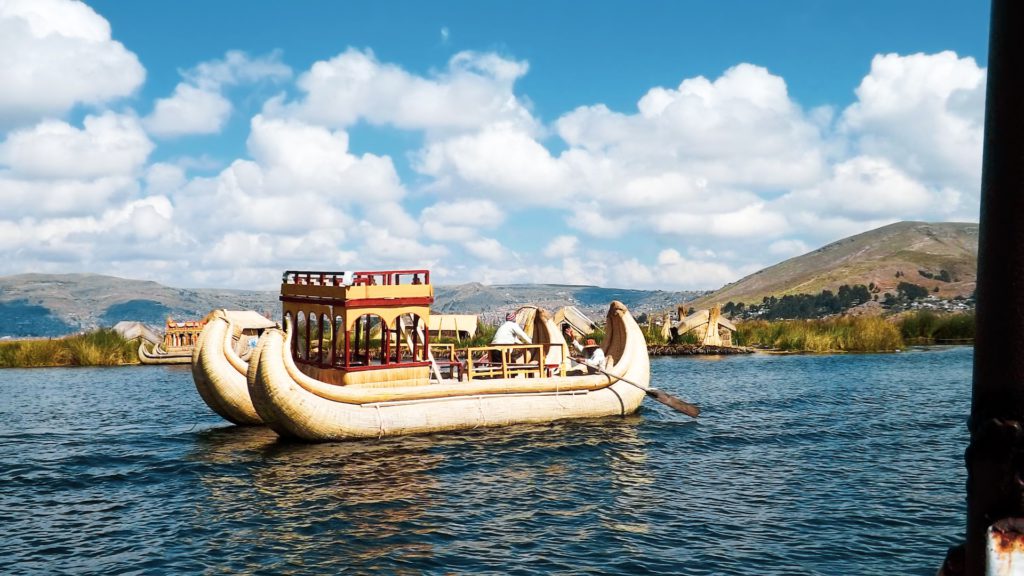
(370, 367)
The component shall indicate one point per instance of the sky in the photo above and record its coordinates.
(675, 145)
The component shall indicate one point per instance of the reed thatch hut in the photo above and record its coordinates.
(578, 320)
(709, 326)
(456, 326)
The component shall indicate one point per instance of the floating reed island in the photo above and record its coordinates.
(695, 350)
(103, 347)
(858, 333)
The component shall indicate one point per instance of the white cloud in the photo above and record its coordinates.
(485, 249)
(163, 178)
(562, 246)
(732, 164)
(198, 105)
(499, 160)
(866, 187)
(752, 221)
(675, 270)
(55, 54)
(740, 129)
(459, 221)
(190, 110)
(62, 197)
(474, 91)
(588, 218)
(295, 157)
(925, 114)
(477, 213)
(107, 145)
(237, 68)
(56, 169)
(788, 248)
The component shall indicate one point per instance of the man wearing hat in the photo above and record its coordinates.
(595, 355)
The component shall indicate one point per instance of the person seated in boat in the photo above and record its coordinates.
(508, 333)
(416, 279)
(593, 361)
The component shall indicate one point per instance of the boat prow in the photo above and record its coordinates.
(299, 406)
(220, 374)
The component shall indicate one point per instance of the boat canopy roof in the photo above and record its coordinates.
(245, 319)
(453, 323)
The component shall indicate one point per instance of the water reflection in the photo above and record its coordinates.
(366, 500)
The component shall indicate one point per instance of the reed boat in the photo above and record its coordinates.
(220, 372)
(157, 355)
(354, 361)
(177, 346)
(220, 363)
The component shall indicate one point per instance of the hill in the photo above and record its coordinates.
(58, 304)
(914, 252)
(491, 302)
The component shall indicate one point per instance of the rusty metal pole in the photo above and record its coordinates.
(995, 456)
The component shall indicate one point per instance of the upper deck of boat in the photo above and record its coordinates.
(377, 288)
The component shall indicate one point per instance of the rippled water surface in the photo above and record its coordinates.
(847, 464)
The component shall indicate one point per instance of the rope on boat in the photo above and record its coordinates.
(622, 406)
(380, 424)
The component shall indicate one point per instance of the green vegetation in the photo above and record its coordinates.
(943, 275)
(797, 306)
(926, 326)
(652, 333)
(845, 334)
(911, 291)
(857, 334)
(100, 348)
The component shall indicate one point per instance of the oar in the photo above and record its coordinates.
(691, 410)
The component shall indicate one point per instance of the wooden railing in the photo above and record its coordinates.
(376, 278)
(525, 360)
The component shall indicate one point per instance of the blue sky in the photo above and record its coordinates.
(675, 145)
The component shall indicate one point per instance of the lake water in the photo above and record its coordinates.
(844, 464)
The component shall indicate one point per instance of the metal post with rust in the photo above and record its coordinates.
(995, 456)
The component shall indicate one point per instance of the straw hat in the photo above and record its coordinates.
(590, 343)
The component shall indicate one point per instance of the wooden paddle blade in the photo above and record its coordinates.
(674, 403)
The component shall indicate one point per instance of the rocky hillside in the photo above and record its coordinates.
(491, 302)
(940, 255)
(54, 305)
(57, 304)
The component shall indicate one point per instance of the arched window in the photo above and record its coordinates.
(301, 336)
(410, 334)
(313, 339)
(368, 344)
(340, 343)
(288, 324)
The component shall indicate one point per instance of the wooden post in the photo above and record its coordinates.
(995, 456)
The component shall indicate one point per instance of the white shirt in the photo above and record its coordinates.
(510, 333)
(596, 358)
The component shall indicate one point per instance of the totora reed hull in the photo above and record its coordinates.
(298, 406)
(220, 374)
(156, 355)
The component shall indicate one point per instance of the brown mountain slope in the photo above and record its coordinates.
(871, 257)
